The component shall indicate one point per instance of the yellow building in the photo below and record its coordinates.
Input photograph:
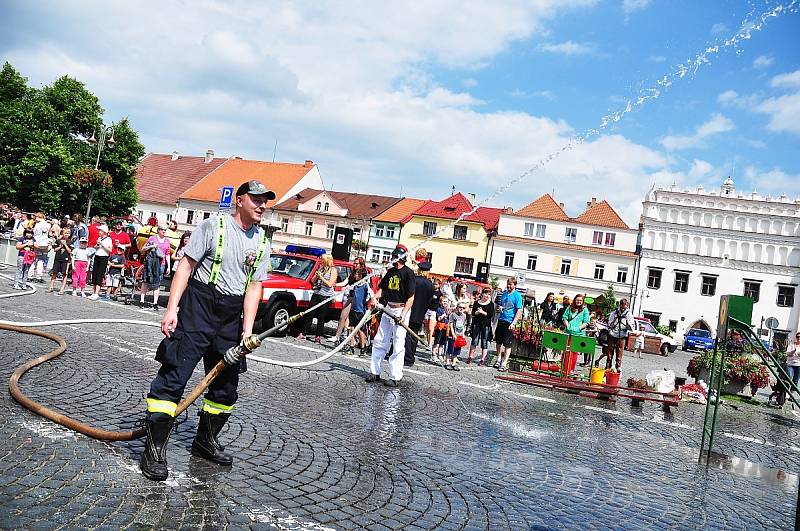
(453, 248)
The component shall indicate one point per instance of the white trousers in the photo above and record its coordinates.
(388, 333)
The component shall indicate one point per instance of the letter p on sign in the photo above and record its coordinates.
(226, 197)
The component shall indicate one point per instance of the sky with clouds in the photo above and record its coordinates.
(412, 98)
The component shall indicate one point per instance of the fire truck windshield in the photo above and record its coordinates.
(293, 266)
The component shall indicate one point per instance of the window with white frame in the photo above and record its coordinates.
(429, 228)
(611, 237)
(169, 217)
(529, 228)
(327, 206)
(570, 234)
(356, 232)
(309, 227)
(285, 224)
(566, 266)
(508, 260)
(329, 230)
(597, 238)
(459, 232)
(319, 205)
(376, 256)
(531, 262)
(206, 215)
(390, 232)
(785, 296)
(599, 271)
(541, 230)
(752, 289)
(387, 255)
(622, 274)
(464, 265)
(379, 231)
(654, 278)
(189, 217)
(139, 215)
(153, 214)
(681, 282)
(708, 286)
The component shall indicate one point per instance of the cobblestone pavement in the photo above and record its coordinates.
(321, 449)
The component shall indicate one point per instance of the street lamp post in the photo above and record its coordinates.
(106, 139)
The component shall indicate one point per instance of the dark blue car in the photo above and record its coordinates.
(697, 339)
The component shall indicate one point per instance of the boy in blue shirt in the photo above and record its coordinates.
(358, 300)
(510, 309)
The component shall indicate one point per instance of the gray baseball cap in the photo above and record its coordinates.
(254, 188)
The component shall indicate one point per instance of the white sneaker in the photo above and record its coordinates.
(93, 297)
(74, 293)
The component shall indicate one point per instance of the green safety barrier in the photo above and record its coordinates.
(554, 340)
(586, 345)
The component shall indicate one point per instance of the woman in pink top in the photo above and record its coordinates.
(793, 360)
(160, 247)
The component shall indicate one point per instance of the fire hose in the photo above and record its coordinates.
(248, 345)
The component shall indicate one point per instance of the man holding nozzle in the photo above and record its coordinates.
(212, 305)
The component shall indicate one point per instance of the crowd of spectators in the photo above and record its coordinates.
(91, 260)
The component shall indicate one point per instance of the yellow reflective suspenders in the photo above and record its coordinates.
(217, 263)
(262, 246)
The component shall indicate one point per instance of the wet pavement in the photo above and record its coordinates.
(321, 449)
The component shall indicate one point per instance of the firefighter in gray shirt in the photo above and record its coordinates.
(212, 305)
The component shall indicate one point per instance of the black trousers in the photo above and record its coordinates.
(411, 344)
(320, 313)
(209, 323)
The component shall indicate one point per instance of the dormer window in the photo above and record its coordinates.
(319, 205)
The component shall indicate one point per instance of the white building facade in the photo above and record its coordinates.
(547, 251)
(698, 245)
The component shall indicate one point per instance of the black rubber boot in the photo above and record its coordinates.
(205, 443)
(154, 458)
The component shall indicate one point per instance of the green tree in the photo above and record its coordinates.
(43, 148)
(609, 302)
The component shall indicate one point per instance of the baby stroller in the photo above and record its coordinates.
(130, 281)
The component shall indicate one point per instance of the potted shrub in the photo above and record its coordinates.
(743, 373)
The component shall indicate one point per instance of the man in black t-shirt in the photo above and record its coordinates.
(396, 293)
(423, 295)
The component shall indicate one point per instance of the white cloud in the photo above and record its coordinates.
(784, 113)
(713, 126)
(719, 28)
(630, 6)
(789, 80)
(567, 48)
(774, 182)
(657, 59)
(469, 83)
(762, 61)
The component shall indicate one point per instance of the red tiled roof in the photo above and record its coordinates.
(159, 179)
(400, 210)
(454, 206)
(544, 207)
(571, 246)
(357, 205)
(279, 177)
(602, 214)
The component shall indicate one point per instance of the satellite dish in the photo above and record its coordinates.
(771, 323)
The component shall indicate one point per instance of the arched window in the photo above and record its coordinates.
(319, 205)
(327, 206)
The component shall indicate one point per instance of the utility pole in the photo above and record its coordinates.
(106, 139)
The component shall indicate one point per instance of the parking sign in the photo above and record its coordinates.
(226, 197)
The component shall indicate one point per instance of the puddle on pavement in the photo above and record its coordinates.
(748, 469)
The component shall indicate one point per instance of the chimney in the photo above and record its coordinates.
(309, 163)
(209, 156)
(561, 205)
(509, 210)
(174, 155)
(591, 203)
(471, 196)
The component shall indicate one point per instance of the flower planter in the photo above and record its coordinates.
(736, 387)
